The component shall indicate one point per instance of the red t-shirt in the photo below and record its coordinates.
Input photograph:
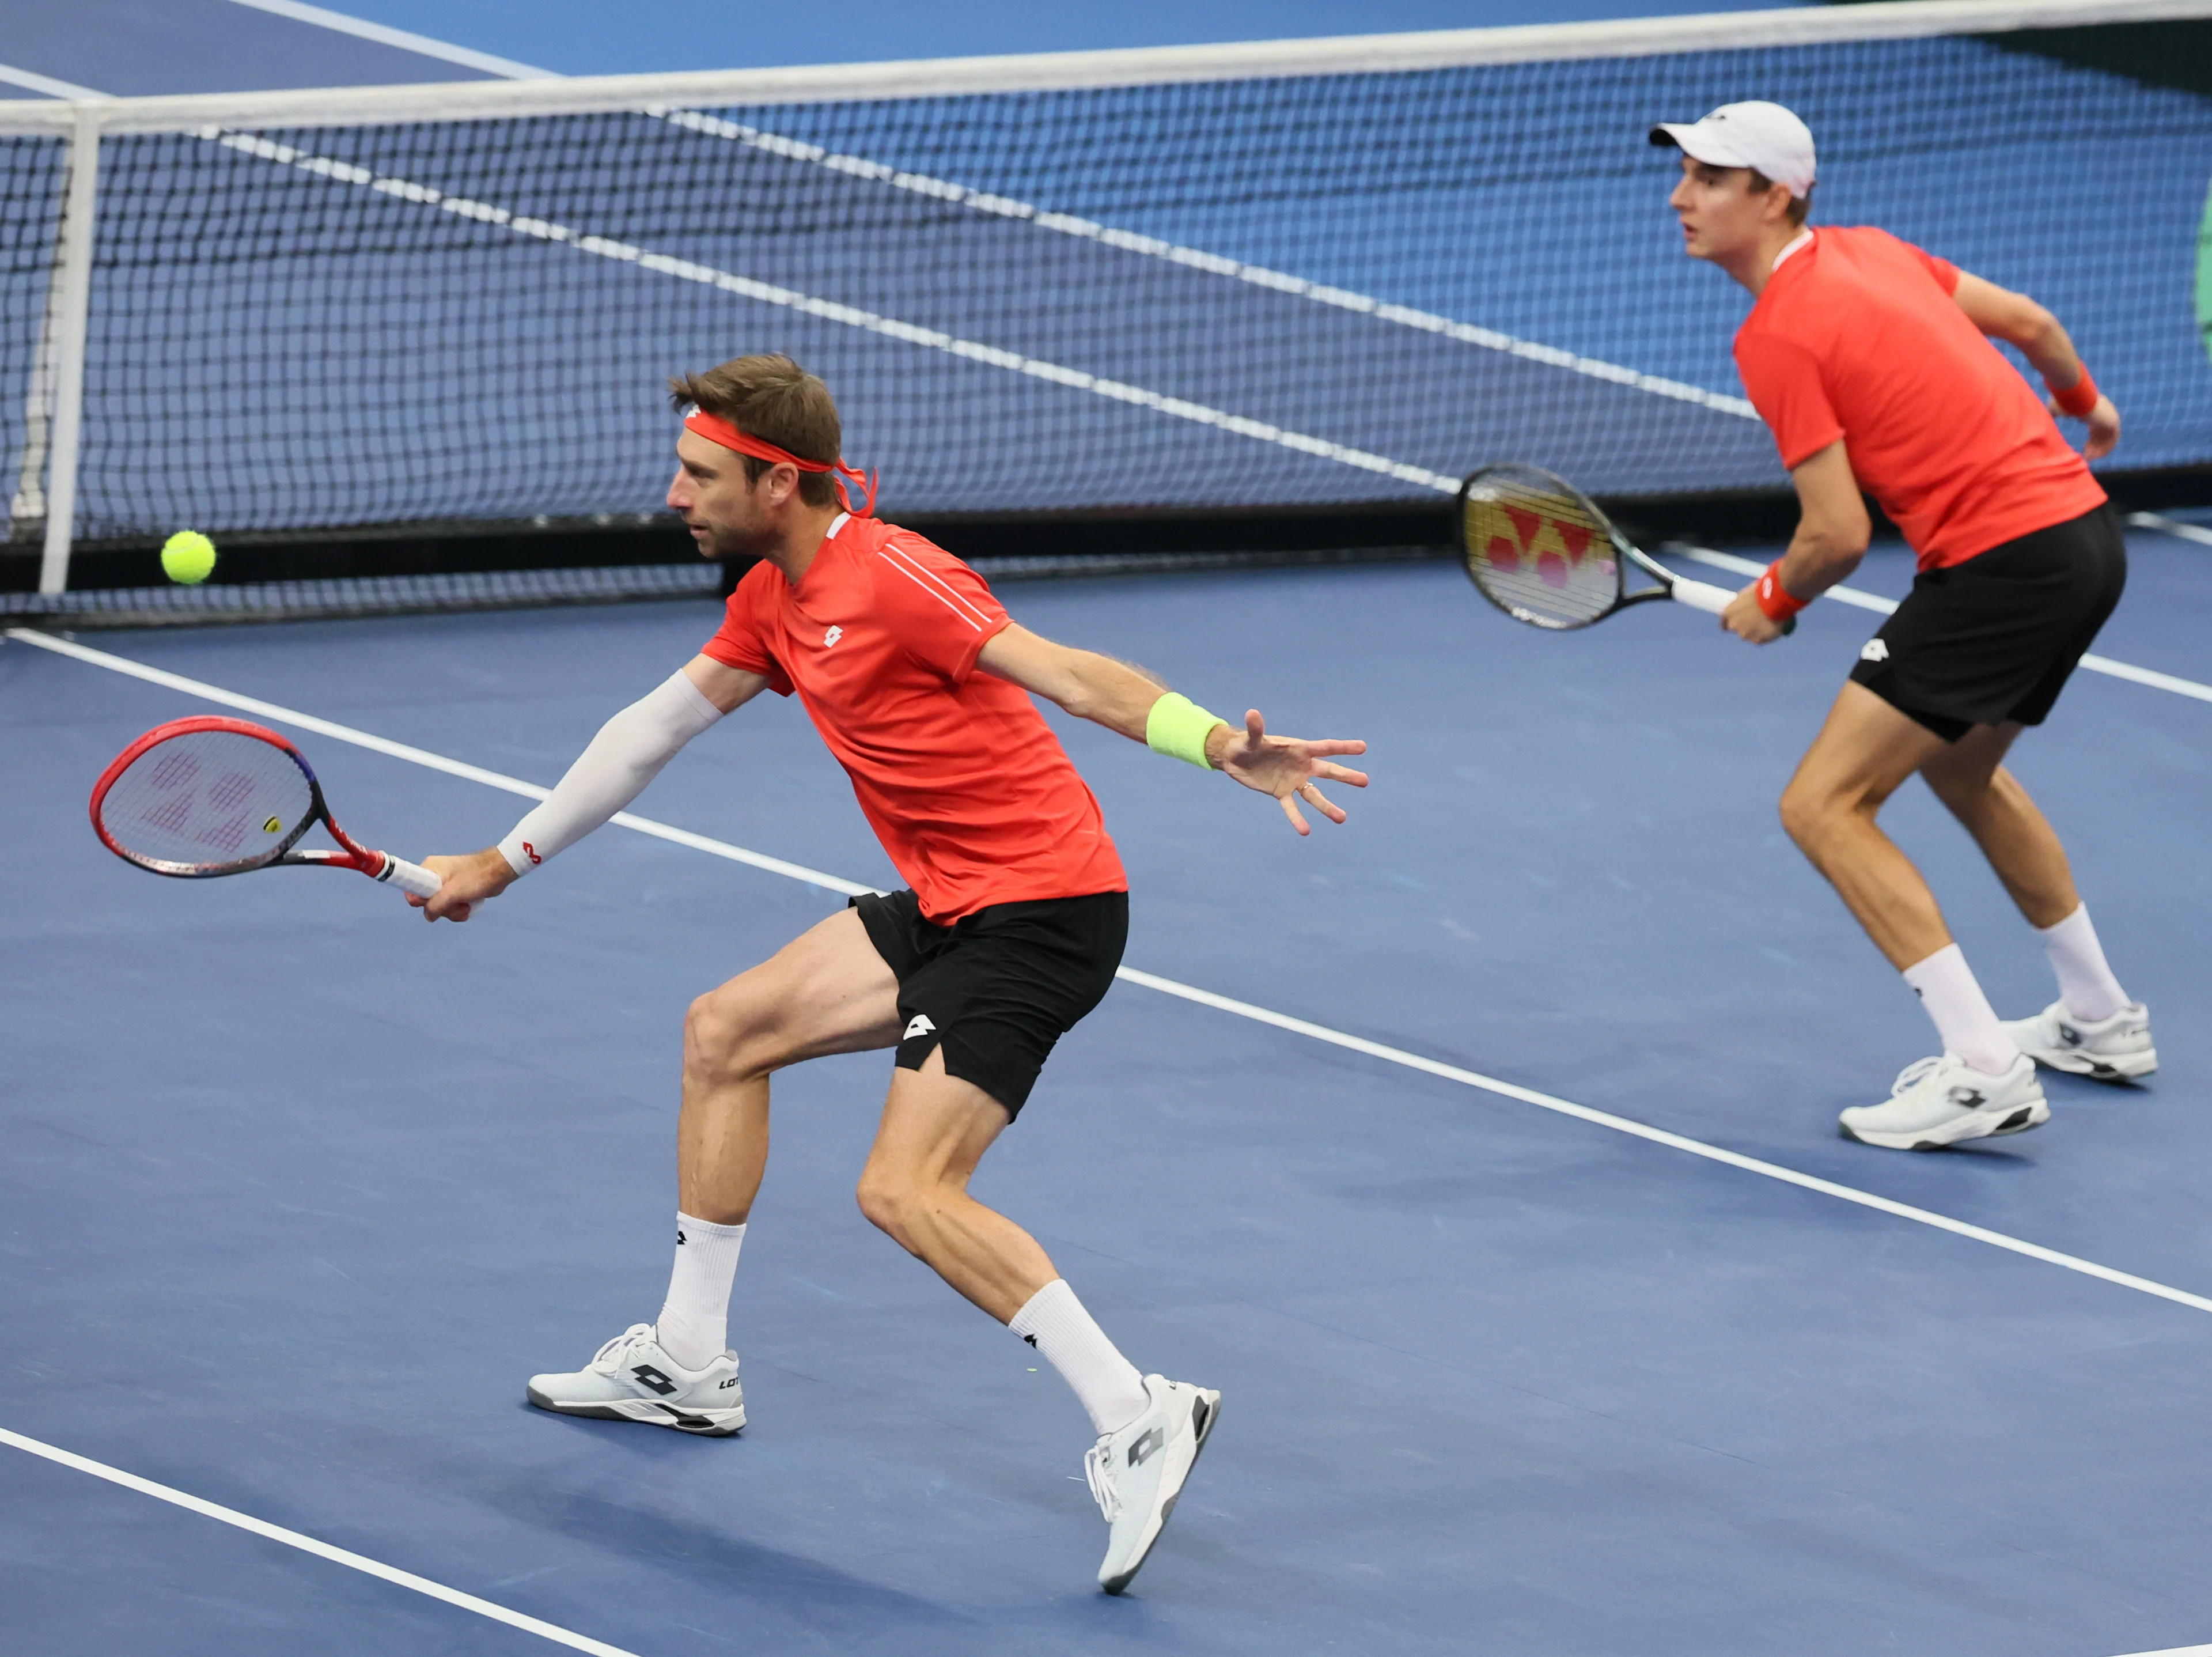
(1857, 336)
(963, 782)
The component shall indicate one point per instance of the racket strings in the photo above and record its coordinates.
(1538, 554)
(205, 801)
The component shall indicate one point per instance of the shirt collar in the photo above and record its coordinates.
(1802, 239)
(844, 518)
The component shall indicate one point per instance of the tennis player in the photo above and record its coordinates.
(1872, 363)
(1010, 932)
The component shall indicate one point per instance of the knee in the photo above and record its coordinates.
(890, 1202)
(1804, 818)
(728, 1032)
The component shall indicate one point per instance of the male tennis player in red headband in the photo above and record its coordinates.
(1011, 930)
(1871, 362)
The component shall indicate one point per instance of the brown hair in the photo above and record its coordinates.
(773, 399)
(1799, 205)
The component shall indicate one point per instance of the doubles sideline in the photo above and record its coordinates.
(262, 1527)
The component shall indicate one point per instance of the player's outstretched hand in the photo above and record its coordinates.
(469, 881)
(1284, 767)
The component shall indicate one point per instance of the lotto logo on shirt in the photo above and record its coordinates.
(832, 636)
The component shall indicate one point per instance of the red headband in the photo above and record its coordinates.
(715, 430)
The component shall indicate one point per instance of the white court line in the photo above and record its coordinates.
(1150, 981)
(2203, 537)
(421, 44)
(45, 85)
(1853, 596)
(2177, 1651)
(262, 1527)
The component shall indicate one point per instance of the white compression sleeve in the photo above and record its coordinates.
(627, 754)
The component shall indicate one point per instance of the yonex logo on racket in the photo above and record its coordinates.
(1522, 548)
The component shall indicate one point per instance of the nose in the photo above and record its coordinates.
(679, 494)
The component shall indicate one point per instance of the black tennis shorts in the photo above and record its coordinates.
(997, 988)
(1997, 637)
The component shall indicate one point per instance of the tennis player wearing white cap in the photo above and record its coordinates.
(1871, 362)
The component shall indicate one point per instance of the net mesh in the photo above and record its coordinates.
(1229, 294)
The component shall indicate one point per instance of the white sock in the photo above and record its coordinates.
(2086, 982)
(1964, 1018)
(1055, 1322)
(694, 1326)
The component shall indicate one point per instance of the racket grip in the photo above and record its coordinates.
(411, 877)
(1702, 595)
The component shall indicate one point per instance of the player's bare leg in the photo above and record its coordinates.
(1864, 752)
(914, 1188)
(1970, 778)
(826, 991)
(1980, 1084)
(2092, 1029)
(935, 1129)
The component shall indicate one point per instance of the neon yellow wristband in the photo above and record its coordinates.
(1178, 727)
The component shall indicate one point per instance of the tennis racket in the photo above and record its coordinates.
(209, 795)
(1542, 551)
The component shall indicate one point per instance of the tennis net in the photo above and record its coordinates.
(1228, 282)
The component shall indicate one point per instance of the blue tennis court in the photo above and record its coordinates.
(299, 1190)
(1482, 1151)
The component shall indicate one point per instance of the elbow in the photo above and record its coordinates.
(2037, 332)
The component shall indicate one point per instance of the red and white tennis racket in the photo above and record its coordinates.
(209, 795)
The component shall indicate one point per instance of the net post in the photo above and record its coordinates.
(72, 277)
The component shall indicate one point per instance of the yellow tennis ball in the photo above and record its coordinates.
(188, 556)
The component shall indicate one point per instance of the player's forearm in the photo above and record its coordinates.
(627, 754)
(2046, 344)
(1109, 693)
(1819, 557)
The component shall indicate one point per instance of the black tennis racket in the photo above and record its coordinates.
(1544, 553)
(209, 795)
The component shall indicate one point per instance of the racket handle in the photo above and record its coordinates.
(1702, 595)
(411, 877)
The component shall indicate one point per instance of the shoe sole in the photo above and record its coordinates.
(2123, 1068)
(647, 1412)
(1978, 1124)
(1204, 1414)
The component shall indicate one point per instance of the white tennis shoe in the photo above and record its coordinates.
(1136, 1474)
(2117, 1049)
(1943, 1101)
(632, 1378)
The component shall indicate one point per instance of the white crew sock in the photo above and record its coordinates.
(1964, 1018)
(1055, 1322)
(2086, 982)
(694, 1326)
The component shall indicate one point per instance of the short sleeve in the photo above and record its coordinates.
(943, 611)
(740, 642)
(1945, 272)
(1784, 379)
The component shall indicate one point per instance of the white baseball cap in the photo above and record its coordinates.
(1763, 135)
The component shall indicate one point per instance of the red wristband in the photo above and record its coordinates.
(2078, 399)
(1774, 597)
